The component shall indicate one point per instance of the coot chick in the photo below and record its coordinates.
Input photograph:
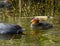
(10, 29)
(43, 25)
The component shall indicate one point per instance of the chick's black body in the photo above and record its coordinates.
(10, 29)
(44, 25)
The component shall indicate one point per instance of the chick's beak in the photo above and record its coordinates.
(32, 20)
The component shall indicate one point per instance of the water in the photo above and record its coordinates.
(33, 37)
(37, 37)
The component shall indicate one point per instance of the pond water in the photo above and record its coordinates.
(33, 37)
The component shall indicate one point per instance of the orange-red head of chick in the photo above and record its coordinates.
(34, 21)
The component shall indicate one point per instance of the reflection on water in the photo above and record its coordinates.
(8, 37)
(34, 31)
